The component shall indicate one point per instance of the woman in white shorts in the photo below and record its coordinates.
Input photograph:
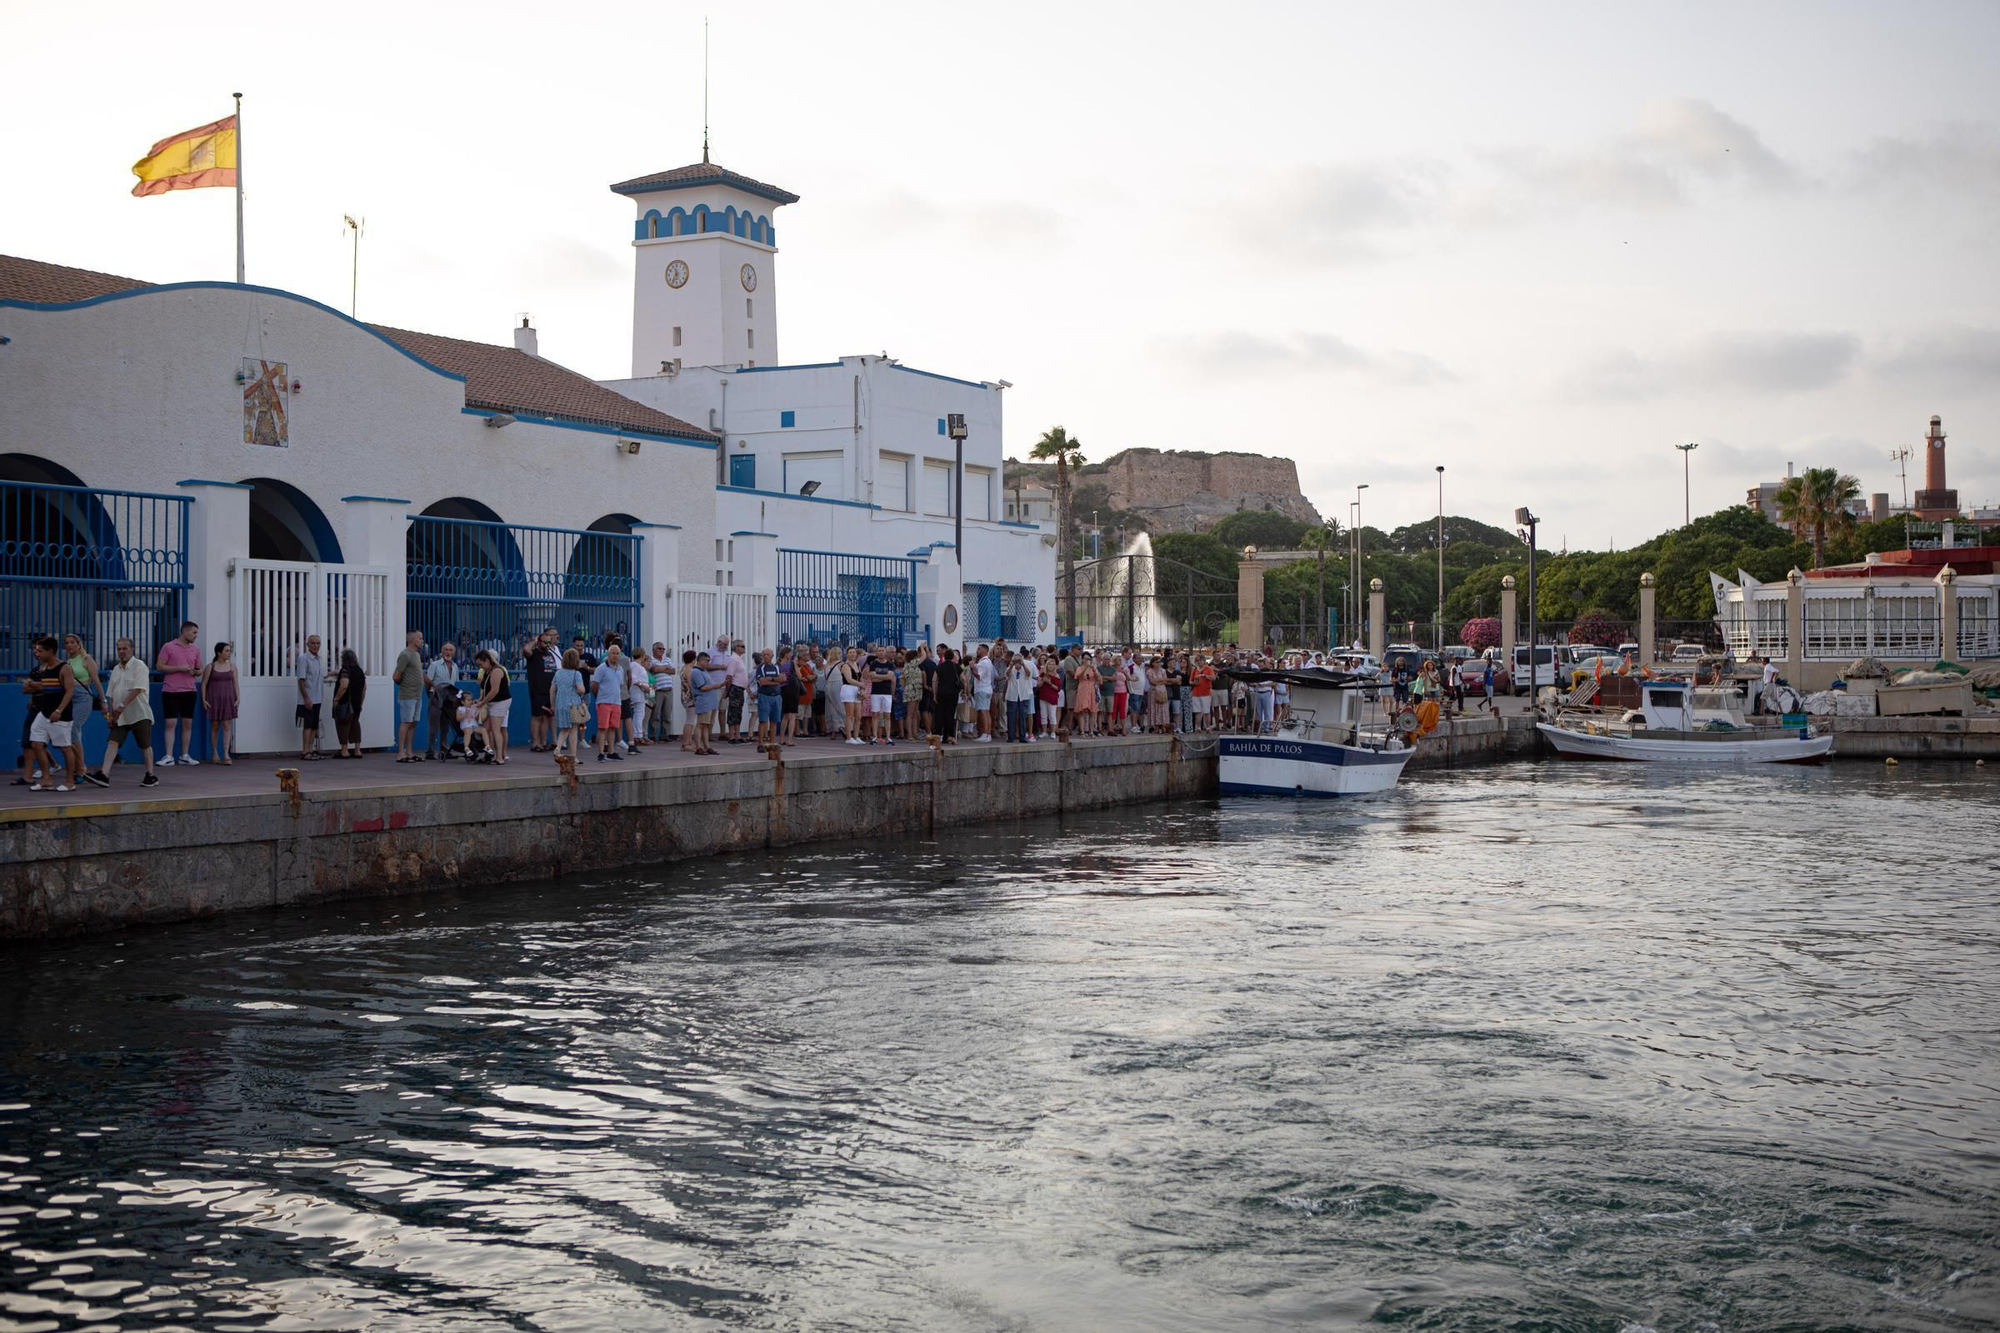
(850, 695)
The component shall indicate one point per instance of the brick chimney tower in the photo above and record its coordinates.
(1936, 500)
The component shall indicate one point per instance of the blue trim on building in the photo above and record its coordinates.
(809, 499)
(233, 287)
(804, 365)
(664, 527)
(747, 533)
(1010, 523)
(932, 374)
(378, 499)
(535, 420)
(198, 481)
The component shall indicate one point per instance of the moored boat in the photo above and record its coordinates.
(1677, 722)
(1321, 748)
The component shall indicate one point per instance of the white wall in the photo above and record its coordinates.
(140, 392)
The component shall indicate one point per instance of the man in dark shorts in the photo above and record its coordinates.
(542, 663)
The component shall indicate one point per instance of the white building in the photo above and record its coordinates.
(847, 462)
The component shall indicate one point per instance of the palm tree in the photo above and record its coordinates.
(1068, 454)
(1815, 500)
(1319, 541)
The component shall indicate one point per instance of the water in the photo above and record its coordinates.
(1553, 1048)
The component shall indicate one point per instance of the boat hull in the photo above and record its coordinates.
(1275, 766)
(1785, 748)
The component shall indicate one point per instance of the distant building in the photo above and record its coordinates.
(1763, 497)
(1936, 500)
(1031, 503)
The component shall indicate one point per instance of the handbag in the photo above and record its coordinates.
(579, 715)
(343, 712)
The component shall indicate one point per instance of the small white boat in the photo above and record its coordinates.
(1321, 749)
(1683, 724)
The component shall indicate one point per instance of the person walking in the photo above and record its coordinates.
(178, 662)
(408, 677)
(569, 712)
(609, 683)
(89, 688)
(441, 678)
(219, 698)
(309, 672)
(496, 698)
(350, 692)
(130, 713)
(51, 691)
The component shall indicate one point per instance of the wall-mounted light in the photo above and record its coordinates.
(298, 386)
(810, 488)
(628, 446)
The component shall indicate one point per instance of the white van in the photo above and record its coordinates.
(1545, 666)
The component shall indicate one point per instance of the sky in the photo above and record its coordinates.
(1537, 244)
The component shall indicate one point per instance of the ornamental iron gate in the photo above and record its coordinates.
(828, 597)
(496, 585)
(1145, 601)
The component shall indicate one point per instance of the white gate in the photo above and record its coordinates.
(275, 605)
(700, 613)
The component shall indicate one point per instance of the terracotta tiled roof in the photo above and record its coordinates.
(32, 280)
(507, 380)
(702, 173)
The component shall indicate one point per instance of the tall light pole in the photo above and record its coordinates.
(1524, 518)
(355, 225)
(1687, 483)
(1438, 629)
(955, 428)
(1358, 584)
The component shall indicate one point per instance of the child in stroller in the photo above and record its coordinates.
(472, 727)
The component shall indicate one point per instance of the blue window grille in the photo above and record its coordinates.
(102, 564)
(829, 597)
(999, 611)
(940, 425)
(743, 470)
(787, 419)
(496, 585)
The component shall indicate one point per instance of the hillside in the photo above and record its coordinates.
(1183, 490)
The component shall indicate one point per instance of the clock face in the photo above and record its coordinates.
(749, 276)
(677, 274)
(1937, 444)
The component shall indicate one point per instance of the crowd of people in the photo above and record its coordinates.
(614, 698)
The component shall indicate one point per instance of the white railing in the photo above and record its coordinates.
(1978, 632)
(274, 607)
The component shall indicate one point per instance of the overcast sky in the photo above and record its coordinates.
(1538, 244)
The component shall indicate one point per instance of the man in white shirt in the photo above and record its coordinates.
(982, 692)
(639, 689)
(129, 712)
(1768, 690)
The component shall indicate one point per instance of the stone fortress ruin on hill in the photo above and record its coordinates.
(1184, 490)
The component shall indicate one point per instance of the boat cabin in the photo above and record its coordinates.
(1672, 705)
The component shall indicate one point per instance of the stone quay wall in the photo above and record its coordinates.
(91, 867)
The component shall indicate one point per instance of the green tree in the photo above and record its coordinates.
(1815, 501)
(1265, 529)
(1067, 454)
(1319, 541)
(1200, 550)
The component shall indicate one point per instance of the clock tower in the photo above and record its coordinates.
(1936, 500)
(704, 249)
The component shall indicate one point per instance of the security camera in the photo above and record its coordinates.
(628, 446)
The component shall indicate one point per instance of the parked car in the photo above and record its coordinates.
(1544, 669)
(1687, 654)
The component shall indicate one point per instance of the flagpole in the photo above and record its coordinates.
(239, 186)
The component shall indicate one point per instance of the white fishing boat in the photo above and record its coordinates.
(1677, 722)
(1321, 748)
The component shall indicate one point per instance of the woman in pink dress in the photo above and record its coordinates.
(218, 696)
(1086, 696)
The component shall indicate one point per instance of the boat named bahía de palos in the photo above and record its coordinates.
(1320, 750)
(1677, 722)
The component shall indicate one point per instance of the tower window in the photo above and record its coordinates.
(749, 308)
(751, 334)
(677, 335)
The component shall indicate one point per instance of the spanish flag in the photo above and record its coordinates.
(189, 160)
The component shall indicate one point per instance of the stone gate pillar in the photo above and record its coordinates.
(218, 534)
(1250, 601)
(1510, 621)
(1378, 619)
(1649, 632)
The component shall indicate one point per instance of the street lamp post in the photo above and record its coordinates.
(1438, 630)
(1358, 584)
(955, 428)
(1687, 483)
(1526, 519)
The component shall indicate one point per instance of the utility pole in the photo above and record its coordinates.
(1525, 518)
(354, 225)
(1438, 632)
(1358, 584)
(1687, 483)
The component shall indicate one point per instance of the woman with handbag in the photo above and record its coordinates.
(350, 690)
(566, 696)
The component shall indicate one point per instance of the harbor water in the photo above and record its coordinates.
(1530, 1047)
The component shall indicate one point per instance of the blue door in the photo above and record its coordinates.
(743, 470)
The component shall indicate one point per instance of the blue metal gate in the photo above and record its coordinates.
(497, 585)
(999, 611)
(828, 597)
(102, 564)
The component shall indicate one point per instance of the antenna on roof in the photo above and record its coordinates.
(704, 90)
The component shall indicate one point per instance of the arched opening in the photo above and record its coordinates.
(50, 534)
(465, 579)
(285, 524)
(599, 578)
